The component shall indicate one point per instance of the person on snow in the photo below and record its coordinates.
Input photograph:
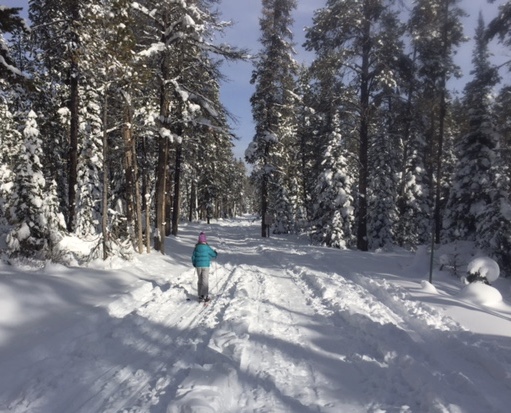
(201, 260)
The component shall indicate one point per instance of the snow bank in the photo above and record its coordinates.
(480, 293)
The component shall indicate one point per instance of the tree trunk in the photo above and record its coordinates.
(193, 201)
(104, 217)
(128, 169)
(169, 198)
(159, 236)
(134, 209)
(264, 206)
(138, 203)
(163, 155)
(177, 183)
(74, 107)
(73, 146)
(146, 200)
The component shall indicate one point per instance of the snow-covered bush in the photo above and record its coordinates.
(483, 269)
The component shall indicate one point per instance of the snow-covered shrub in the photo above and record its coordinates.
(483, 269)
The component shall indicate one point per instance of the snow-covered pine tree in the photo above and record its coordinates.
(333, 204)
(479, 203)
(436, 31)
(414, 201)
(11, 77)
(493, 227)
(383, 183)
(306, 149)
(10, 22)
(28, 236)
(55, 227)
(87, 223)
(472, 184)
(208, 149)
(58, 38)
(112, 80)
(178, 43)
(10, 142)
(239, 198)
(353, 36)
(385, 143)
(273, 110)
(503, 124)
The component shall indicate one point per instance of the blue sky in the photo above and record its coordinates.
(244, 33)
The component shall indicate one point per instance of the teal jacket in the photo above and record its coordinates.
(202, 255)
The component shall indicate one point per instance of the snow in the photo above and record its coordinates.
(485, 267)
(291, 328)
(480, 293)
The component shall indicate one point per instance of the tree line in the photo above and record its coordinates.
(367, 147)
(112, 127)
(111, 124)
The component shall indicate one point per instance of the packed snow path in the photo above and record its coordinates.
(290, 328)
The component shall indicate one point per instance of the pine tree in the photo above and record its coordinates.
(179, 47)
(382, 202)
(436, 31)
(414, 199)
(111, 80)
(479, 203)
(10, 142)
(500, 25)
(272, 109)
(333, 208)
(473, 179)
(306, 136)
(55, 227)
(503, 123)
(90, 164)
(28, 236)
(354, 36)
(59, 41)
(10, 22)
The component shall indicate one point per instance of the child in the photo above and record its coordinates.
(201, 259)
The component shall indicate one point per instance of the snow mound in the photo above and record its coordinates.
(427, 287)
(485, 267)
(480, 293)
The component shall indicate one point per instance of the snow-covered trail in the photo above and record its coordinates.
(291, 328)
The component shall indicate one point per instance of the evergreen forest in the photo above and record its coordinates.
(112, 129)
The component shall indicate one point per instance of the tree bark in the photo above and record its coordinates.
(73, 146)
(177, 185)
(193, 201)
(104, 217)
(163, 155)
(134, 209)
(159, 236)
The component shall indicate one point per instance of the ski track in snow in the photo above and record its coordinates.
(283, 333)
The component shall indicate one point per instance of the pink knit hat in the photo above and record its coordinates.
(202, 238)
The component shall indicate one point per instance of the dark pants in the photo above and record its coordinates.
(203, 282)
